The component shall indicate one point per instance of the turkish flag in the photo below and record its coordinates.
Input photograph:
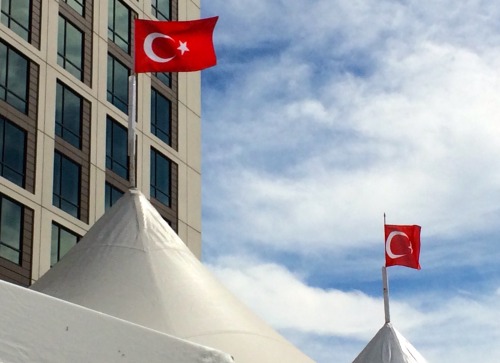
(402, 246)
(174, 46)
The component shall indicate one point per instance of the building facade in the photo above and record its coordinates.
(64, 67)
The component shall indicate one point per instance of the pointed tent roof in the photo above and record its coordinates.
(39, 328)
(389, 346)
(132, 265)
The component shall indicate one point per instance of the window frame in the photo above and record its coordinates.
(19, 250)
(59, 229)
(156, 191)
(59, 199)
(113, 162)
(61, 122)
(6, 80)
(163, 132)
(64, 54)
(110, 197)
(10, 18)
(4, 123)
(112, 21)
(112, 96)
(155, 11)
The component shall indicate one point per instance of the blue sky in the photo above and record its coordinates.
(322, 116)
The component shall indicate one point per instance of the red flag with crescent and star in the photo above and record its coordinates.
(174, 46)
(402, 246)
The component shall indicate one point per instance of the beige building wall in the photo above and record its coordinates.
(187, 156)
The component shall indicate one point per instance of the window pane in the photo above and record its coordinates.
(117, 148)
(112, 195)
(70, 48)
(66, 185)
(68, 115)
(165, 78)
(160, 177)
(119, 24)
(12, 152)
(62, 241)
(160, 116)
(14, 73)
(10, 230)
(161, 9)
(16, 16)
(77, 5)
(118, 84)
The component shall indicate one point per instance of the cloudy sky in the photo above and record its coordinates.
(320, 117)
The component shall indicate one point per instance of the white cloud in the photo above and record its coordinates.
(325, 115)
(441, 328)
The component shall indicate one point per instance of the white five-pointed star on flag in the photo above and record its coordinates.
(183, 47)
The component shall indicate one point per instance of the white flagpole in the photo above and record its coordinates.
(386, 295)
(385, 284)
(132, 122)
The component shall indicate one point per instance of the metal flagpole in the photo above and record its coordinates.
(385, 284)
(132, 122)
(386, 295)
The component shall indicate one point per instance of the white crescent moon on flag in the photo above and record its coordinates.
(148, 47)
(388, 249)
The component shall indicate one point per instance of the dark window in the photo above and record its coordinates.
(161, 9)
(14, 72)
(165, 78)
(16, 15)
(69, 115)
(62, 241)
(119, 24)
(70, 48)
(112, 194)
(118, 83)
(160, 177)
(66, 189)
(161, 116)
(116, 148)
(11, 222)
(12, 152)
(77, 5)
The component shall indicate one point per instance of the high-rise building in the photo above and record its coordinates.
(64, 67)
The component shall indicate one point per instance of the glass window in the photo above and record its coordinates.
(77, 5)
(14, 71)
(11, 223)
(16, 15)
(70, 48)
(165, 78)
(112, 194)
(161, 9)
(118, 84)
(66, 188)
(62, 241)
(160, 116)
(12, 152)
(69, 115)
(116, 148)
(160, 177)
(119, 24)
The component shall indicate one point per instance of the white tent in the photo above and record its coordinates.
(38, 328)
(389, 346)
(132, 265)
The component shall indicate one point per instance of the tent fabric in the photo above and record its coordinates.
(389, 346)
(39, 328)
(132, 265)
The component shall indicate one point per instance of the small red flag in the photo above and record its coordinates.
(402, 246)
(174, 46)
